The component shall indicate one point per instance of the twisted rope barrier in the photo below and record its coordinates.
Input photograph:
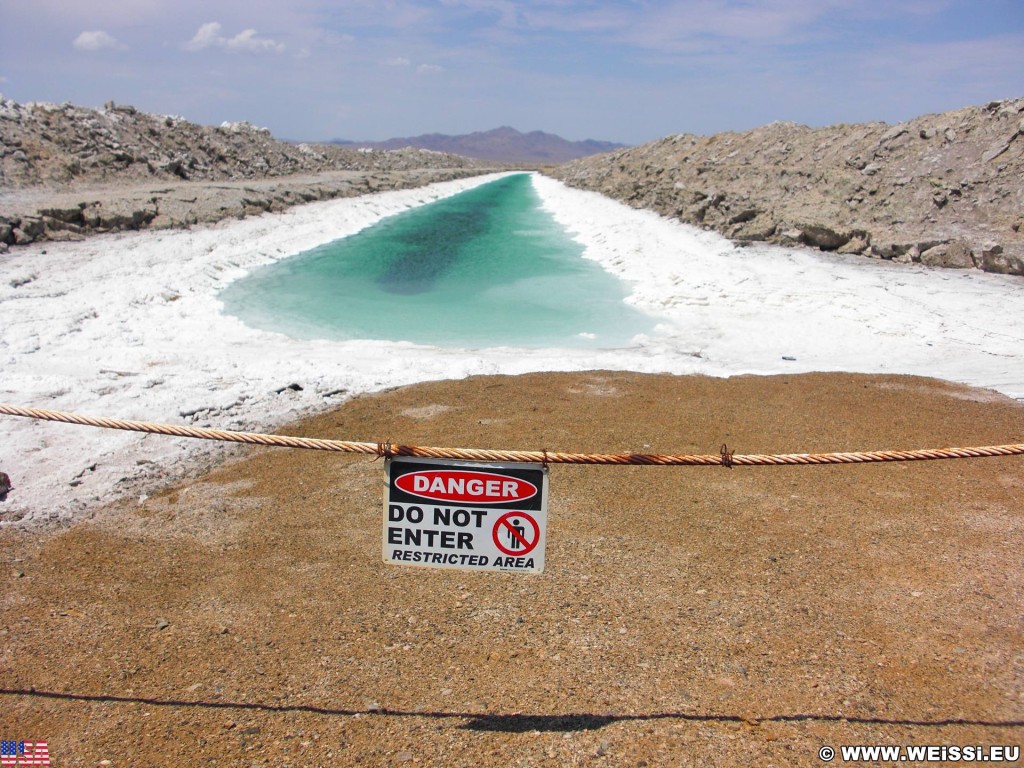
(387, 450)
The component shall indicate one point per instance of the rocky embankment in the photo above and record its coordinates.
(68, 171)
(945, 190)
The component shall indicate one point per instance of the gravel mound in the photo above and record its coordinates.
(945, 189)
(68, 171)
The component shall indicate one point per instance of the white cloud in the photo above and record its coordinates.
(95, 41)
(399, 61)
(247, 41)
(429, 69)
(209, 36)
(506, 10)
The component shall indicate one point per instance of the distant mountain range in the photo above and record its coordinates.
(503, 145)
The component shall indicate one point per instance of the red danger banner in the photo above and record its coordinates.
(466, 486)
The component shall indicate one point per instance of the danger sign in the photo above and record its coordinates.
(456, 514)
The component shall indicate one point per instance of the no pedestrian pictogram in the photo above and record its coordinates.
(516, 533)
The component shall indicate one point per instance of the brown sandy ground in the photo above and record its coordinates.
(689, 616)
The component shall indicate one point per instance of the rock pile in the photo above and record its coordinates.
(51, 144)
(945, 189)
(66, 171)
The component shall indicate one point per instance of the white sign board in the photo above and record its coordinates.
(460, 514)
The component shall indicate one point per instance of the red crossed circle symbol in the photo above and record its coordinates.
(507, 525)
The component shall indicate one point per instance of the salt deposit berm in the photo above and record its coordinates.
(944, 190)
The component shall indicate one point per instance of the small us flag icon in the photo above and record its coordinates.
(16, 753)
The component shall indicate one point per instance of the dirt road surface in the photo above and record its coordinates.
(687, 616)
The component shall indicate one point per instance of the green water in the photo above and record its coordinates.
(487, 267)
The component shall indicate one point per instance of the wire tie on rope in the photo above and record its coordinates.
(726, 456)
(544, 461)
(384, 450)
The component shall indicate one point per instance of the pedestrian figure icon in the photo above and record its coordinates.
(515, 542)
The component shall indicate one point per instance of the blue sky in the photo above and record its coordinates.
(629, 71)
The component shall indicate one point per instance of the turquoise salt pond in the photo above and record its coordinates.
(484, 268)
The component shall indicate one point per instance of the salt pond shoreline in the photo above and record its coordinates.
(129, 326)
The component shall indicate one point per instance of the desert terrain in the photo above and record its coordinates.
(687, 616)
(239, 612)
